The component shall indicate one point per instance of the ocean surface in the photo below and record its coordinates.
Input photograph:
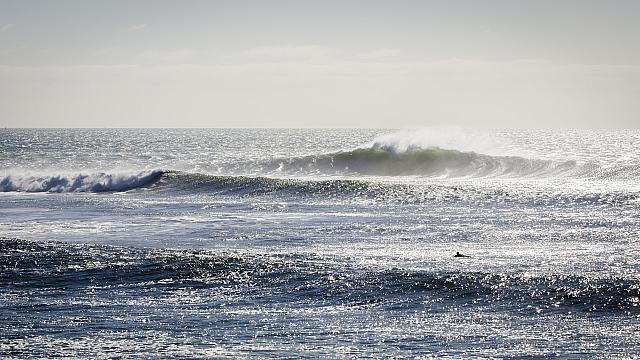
(213, 243)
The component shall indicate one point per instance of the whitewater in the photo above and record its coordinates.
(313, 243)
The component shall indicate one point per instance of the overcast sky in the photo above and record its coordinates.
(482, 63)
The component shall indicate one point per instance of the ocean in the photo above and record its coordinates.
(319, 243)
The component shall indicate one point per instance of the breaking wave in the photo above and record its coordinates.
(342, 189)
(94, 182)
(377, 160)
(381, 161)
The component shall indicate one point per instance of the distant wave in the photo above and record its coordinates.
(79, 182)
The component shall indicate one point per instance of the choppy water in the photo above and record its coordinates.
(319, 243)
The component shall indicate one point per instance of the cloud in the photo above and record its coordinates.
(309, 53)
(381, 53)
(289, 52)
(136, 27)
(168, 56)
(6, 27)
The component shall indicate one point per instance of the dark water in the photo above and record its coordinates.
(89, 300)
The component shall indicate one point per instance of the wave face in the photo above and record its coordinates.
(436, 162)
(95, 182)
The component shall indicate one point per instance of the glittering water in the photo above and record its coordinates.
(319, 243)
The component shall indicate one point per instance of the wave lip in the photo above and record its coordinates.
(93, 182)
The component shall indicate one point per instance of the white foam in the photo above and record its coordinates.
(77, 182)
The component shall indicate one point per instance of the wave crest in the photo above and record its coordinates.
(95, 182)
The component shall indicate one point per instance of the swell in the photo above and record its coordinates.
(171, 183)
(79, 182)
(373, 191)
(55, 267)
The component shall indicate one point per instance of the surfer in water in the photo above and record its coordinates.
(460, 255)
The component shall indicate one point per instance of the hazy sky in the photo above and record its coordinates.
(320, 63)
